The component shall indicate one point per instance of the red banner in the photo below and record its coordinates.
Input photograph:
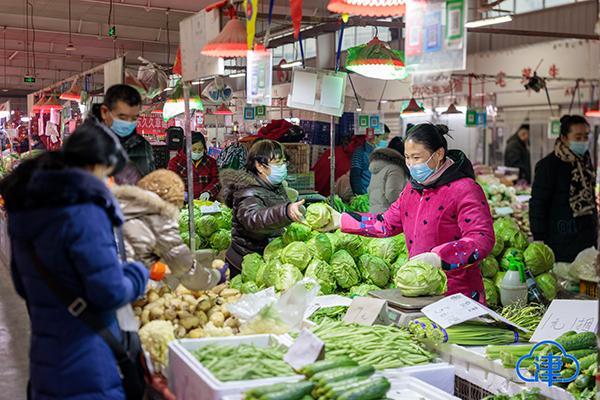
(153, 125)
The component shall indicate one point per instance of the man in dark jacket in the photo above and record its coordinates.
(517, 153)
(120, 111)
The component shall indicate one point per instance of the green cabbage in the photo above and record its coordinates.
(323, 273)
(518, 240)
(267, 274)
(505, 228)
(548, 285)
(374, 270)
(498, 246)
(273, 249)
(318, 215)
(224, 218)
(401, 245)
(200, 243)
(333, 238)
(220, 240)
(287, 276)
(362, 290)
(360, 203)
(349, 242)
(184, 218)
(539, 258)
(236, 282)
(510, 252)
(402, 259)
(206, 226)
(492, 296)
(320, 246)
(498, 278)
(387, 249)
(416, 278)
(344, 269)
(489, 267)
(297, 254)
(296, 232)
(249, 287)
(251, 263)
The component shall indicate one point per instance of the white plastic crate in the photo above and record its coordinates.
(190, 380)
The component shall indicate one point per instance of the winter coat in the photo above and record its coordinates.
(517, 155)
(151, 234)
(140, 153)
(259, 213)
(69, 216)
(550, 215)
(450, 217)
(388, 178)
(360, 176)
(205, 174)
(343, 156)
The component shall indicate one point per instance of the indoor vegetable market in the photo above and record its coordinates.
(295, 200)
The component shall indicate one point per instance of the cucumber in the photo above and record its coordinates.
(324, 365)
(583, 340)
(341, 373)
(336, 390)
(578, 354)
(327, 387)
(371, 390)
(294, 391)
(587, 361)
(582, 382)
(259, 391)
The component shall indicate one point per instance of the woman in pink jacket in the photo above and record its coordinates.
(442, 211)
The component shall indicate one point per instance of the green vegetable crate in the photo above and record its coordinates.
(189, 379)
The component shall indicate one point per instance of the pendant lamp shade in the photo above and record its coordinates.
(52, 104)
(175, 104)
(37, 107)
(223, 110)
(368, 8)
(413, 107)
(73, 94)
(377, 60)
(452, 110)
(230, 42)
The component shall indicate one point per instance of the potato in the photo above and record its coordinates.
(219, 288)
(188, 298)
(232, 322)
(152, 296)
(164, 289)
(213, 310)
(204, 305)
(141, 302)
(145, 318)
(137, 311)
(229, 292)
(217, 264)
(170, 314)
(225, 312)
(169, 296)
(217, 319)
(181, 290)
(220, 300)
(196, 333)
(190, 322)
(184, 314)
(180, 332)
(157, 313)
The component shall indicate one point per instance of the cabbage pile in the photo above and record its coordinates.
(211, 231)
(417, 278)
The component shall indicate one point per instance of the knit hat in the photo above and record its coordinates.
(167, 184)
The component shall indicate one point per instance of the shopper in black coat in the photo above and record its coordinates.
(563, 211)
(517, 153)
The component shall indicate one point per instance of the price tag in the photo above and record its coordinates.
(307, 349)
(212, 209)
(367, 311)
(567, 315)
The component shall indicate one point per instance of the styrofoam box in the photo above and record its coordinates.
(190, 380)
(439, 375)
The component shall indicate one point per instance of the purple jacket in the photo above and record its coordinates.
(450, 218)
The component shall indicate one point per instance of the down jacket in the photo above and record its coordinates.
(69, 217)
(388, 178)
(259, 213)
(450, 217)
(151, 234)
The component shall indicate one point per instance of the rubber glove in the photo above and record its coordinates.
(334, 224)
(429, 258)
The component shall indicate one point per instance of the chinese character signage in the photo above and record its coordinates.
(153, 125)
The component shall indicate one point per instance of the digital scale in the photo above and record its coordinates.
(401, 309)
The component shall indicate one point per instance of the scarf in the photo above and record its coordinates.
(439, 172)
(581, 193)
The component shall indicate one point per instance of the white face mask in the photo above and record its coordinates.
(197, 155)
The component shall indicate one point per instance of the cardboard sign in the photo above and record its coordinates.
(306, 349)
(567, 315)
(367, 311)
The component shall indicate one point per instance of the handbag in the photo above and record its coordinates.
(128, 352)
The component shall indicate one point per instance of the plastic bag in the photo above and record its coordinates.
(584, 266)
(152, 76)
(564, 278)
(264, 312)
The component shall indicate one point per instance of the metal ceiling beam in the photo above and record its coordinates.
(148, 7)
(288, 18)
(522, 32)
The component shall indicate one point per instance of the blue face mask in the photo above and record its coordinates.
(420, 172)
(123, 128)
(382, 144)
(579, 148)
(278, 173)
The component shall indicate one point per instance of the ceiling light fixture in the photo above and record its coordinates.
(413, 107)
(37, 107)
(368, 8)
(376, 60)
(70, 46)
(175, 104)
(73, 94)
(230, 42)
(452, 110)
(238, 75)
(291, 64)
(488, 21)
(223, 110)
(52, 104)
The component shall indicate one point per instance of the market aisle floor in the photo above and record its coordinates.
(14, 340)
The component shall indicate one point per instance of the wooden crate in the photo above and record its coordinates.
(588, 288)
(299, 157)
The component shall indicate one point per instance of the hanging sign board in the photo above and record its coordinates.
(194, 33)
(435, 36)
(113, 72)
(259, 76)
(318, 90)
(362, 122)
(248, 113)
(560, 318)
(553, 128)
(260, 111)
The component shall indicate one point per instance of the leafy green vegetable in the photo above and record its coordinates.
(323, 273)
(267, 275)
(318, 215)
(498, 246)
(206, 226)
(251, 263)
(344, 269)
(401, 243)
(236, 282)
(320, 247)
(349, 242)
(200, 243)
(286, 276)
(539, 258)
(505, 227)
(374, 270)
(548, 285)
(224, 218)
(339, 205)
(249, 287)
(273, 249)
(220, 240)
(518, 240)
(360, 203)
(362, 290)
(387, 248)
(489, 267)
(296, 232)
(297, 254)
(492, 297)
(184, 218)
(498, 278)
(416, 278)
(510, 252)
